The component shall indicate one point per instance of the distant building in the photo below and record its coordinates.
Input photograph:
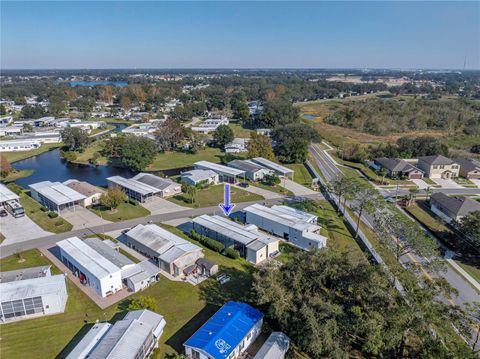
(56, 196)
(10, 131)
(210, 125)
(252, 245)
(278, 169)
(238, 145)
(31, 292)
(469, 168)
(264, 131)
(275, 347)
(195, 177)
(165, 186)
(6, 120)
(399, 168)
(142, 130)
(170, 252)
(134, 337)
(19, 145)
(253, 171)
(452, 208)
(227, 334)
(439, 167)
(295, 226)
(225, 174)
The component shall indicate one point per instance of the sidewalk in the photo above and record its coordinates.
(449, 258)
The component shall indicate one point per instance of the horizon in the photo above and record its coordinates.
(240, 35)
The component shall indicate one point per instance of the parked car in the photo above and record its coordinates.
(244, 184)
(3, 213)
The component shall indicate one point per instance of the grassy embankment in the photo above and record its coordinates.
(18, 156)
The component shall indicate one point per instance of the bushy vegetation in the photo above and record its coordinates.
(207, 242)
(232, 253)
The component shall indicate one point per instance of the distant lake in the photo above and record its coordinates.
(309, 117)
(94, 83)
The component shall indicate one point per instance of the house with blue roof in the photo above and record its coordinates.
(227, 334)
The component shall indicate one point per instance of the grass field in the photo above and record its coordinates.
(239, 131)
(213, 195)
(302, 175)
(32, 210)
(123, 212)
(169, 160)
(17, 156)
(276, 188)
(27, 259)
(184, 307)
(15, 175)
(87, 154)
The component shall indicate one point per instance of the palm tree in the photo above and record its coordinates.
(383, 172)
(413, 195)
(428, 191)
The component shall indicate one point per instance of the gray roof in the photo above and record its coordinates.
(436, 160)
(458, 205)
(275, 347)
(57, 192)
(108, 252)
(84, 188)
(199, 175)
(24, 273)
(154, 181)
(141, 271)
(133, 185)
(468, 164)
(153, 319)
(87, 257)
(88, 342)
(246, 165)
(6, 194)
(272, 165)
(395, 165)
(34, 287)
(220, 169)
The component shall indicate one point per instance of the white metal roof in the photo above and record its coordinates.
(224, 170)
(133, 185)
(57, 192)
(6, 194)
(199, 175)
(87, 257)
(88, 342)
(25, 273)
(305, 216)
(109, 253)
(34, 287)
(275, 347)
(236, 231)
(272, 165)
(278, 216)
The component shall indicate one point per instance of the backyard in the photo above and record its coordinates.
(123, 212)
(302, 174)
(213, 195)
(169, 160)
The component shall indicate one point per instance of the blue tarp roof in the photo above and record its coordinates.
(222, 333)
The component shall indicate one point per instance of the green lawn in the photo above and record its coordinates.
(276, 188)
(239, 131)
(185, 308)
(302, 174)
(286, 252)
(15, 175)
(465, 182)
(168, 160)
(123, 212)
(213, 195)
(429, 181)
(87, 154)
(27, 259)
(99, 130)
(470, 269)
(32, 210)
(17, 156)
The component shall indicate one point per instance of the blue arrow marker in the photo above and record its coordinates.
(227, 206)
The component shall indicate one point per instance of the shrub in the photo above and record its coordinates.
(207, 242)
(15, 188)
(44, 209)
(232, 253)
(133, 202)
(53, 214)
(59, 222)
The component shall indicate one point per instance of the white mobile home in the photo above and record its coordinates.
(136, 190)
(165, 186)
(225, 174)
(56, 196)
(279, 169)
(195, 177)
(253, 171)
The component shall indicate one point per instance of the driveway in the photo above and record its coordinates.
(82, 218)
(20, 229)
(261, 191)
(446, 183)
(420, 183)
(158, 205)
(476, 181)
(297, 189)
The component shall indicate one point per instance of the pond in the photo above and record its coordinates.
(309, 117)
(94, 83)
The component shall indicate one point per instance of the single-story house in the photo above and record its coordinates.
(227, 334)
(56, 196)
(141, 275)
(195, 177)
(253, 171)
(469, 168)
(92, 193)
(170, 252)
(135, 190)
(439, 167)
(278, 169)
(166, 187)
(252, 244)
(452, 208)
(238, 145)
(399, 168)
(275, 347)
(225, 174)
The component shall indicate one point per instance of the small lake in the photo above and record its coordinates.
(94, 83)
(309, 117)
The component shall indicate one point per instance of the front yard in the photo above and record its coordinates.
(213, 196)
(123, 212)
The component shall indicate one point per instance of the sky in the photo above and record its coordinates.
(135, 34)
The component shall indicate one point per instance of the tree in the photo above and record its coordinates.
(75, 139)
(169, 134)
(3, 110)
(27, 127)
(125, 102)
(364, 199)
(32, 112)
(342, 187)
(469, 227)
(143, 302)
(137, 152)
(191, 191)
(239, 106)
(292, 142)
(412, 195)
(223, 135)
(5, 167)
(383, 172)
(260, 146)
(271, 180)
(113, 197)
(277, 112)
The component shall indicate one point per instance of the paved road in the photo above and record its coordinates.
(9, 249)
(465, 290)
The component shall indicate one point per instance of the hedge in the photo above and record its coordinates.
(232, 253)
(207, 242)
(53, 214)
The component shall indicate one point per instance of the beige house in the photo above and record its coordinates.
(438, 167)
(92, 193)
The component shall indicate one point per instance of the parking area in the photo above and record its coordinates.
(20, 229)
(82, 218)
(158, 205)
(446, 183)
